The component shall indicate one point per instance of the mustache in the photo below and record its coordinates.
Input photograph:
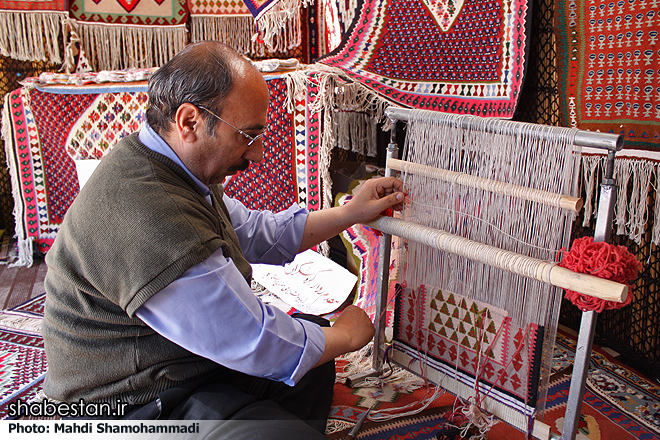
(241, 166)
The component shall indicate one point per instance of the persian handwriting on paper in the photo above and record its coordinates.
(310, 283)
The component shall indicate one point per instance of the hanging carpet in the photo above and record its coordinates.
(117, 34)
(457, 57)
(228, 21)
(609, 66)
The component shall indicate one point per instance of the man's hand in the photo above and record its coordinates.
(373, 197)
(350, 332)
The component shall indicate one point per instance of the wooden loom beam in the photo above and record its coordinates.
(513, 262)
(563, 201)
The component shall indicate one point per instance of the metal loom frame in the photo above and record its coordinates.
(608, 191)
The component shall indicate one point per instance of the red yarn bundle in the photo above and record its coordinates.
(603, 260)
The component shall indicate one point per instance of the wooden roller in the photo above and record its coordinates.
(506, 260)
(566, 202)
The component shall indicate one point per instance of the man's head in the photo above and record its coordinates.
(207, 103)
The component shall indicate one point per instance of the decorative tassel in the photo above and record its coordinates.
(236, 30)
(115, 47)
(32, 36)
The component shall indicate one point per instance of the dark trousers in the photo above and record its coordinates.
(249, 407)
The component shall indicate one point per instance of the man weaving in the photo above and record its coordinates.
(148, 287)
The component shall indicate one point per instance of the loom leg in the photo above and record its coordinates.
(381, 320)
(580, 371)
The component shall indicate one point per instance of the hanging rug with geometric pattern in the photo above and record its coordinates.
(462, 56)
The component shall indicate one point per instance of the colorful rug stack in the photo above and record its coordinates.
(45, 132)
(52, 130)
(466, 56)
(22, 354)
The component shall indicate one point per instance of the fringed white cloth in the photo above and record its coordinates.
(32, 35)
(114, 47)
(236, 30)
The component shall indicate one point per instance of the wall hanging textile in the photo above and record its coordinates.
(117, 34)
(278, 22)
(229, 21)
(610, 68)
(458, 57)
(609, 81)
(32, 30)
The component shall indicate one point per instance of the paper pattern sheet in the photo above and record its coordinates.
(311, 283)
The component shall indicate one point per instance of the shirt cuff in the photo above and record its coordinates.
(312, 353)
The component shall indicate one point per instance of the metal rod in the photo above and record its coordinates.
(382, 287)
(585, 341)
(583, 138)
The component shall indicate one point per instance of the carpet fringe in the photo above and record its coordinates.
(32, 36)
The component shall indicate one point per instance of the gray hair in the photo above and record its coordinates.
(201, 74)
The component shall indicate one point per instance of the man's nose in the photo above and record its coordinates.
(255, 152)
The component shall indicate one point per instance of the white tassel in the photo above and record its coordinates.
(622, 174)
(237, 31)
(655, 233)
(590, 165)
(115, 47)
(638, 205)
(32, 36)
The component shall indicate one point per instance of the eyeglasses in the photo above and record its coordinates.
(252, 139)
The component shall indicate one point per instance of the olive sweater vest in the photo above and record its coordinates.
(137, 225)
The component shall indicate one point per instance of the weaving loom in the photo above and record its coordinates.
(490, 206)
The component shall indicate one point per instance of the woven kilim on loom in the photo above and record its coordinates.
(609, 55)
(457, 57)
(467, 339)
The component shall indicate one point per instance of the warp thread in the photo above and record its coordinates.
(603, 260)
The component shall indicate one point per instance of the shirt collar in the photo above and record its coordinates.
(154, 142)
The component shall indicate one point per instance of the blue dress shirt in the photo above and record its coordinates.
(228, 323)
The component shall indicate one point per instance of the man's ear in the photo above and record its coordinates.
(188, 122)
